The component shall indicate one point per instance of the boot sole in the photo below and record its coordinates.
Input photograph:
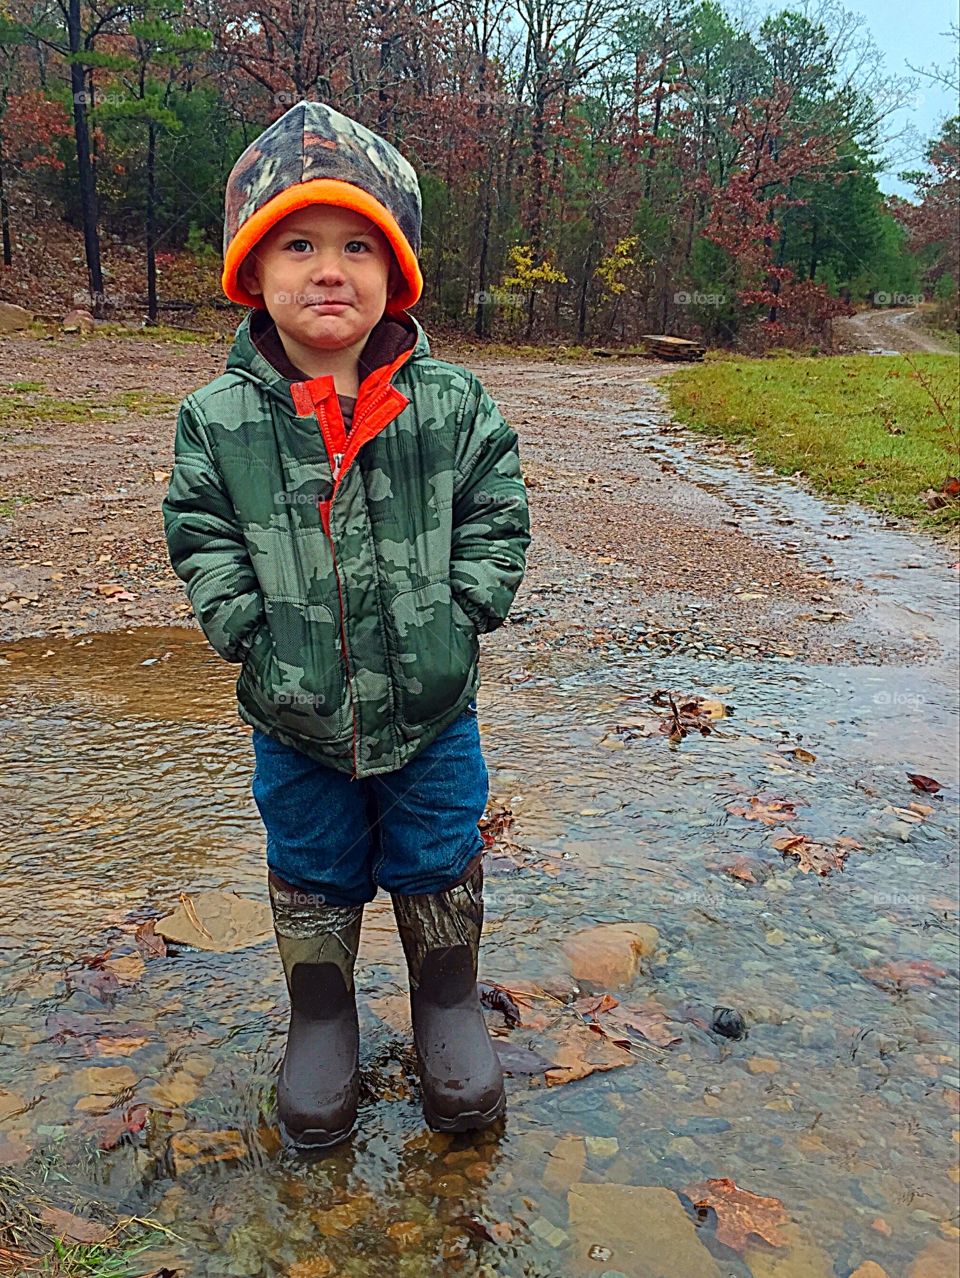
(471, 1120)
(314, 1140)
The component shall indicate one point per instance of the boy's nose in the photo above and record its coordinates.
(327, 269)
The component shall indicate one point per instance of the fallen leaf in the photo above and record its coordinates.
(579, 1053)
(739, 1212)
(813, 857)
(74, 1229)
(518, 1060)
(769, 811)
(114, 1128)
(148, 943)
(904, 974)
(925, 784)
(740, 869)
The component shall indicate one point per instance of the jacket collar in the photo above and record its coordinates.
(258, 353)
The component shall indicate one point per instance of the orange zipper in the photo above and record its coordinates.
(365, 427)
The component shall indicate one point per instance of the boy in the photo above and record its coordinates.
(348, 515)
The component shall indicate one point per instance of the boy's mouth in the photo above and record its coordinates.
(331, 304)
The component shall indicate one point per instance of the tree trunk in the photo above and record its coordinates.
(4, 212)
(152, 223)
(85, 174)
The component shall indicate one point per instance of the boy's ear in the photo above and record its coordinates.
(394, 279)
(247, 275)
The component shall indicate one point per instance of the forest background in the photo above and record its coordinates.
(593, 170)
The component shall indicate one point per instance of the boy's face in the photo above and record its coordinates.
(325, 275)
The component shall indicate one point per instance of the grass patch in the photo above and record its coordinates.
(22, 408)
(142, 401)
(864, 427)
(158, 333)
(10, 505)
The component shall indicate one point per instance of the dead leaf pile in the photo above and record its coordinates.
(813, 857)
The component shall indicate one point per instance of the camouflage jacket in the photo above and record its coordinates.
(350, 574)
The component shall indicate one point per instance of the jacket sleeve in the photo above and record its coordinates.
(491, 521)
(206, 544)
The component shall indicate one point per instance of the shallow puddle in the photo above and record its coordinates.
(124, 779)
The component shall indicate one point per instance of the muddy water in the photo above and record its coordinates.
(124, 783)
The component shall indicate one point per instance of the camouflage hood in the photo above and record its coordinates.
(315, 155)
(348, 573)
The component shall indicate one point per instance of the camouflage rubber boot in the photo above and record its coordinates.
(460, 1075)
(319, 1082)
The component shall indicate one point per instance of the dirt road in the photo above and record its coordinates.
(887, 332)
(626, 550)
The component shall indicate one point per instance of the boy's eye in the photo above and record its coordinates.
(351, 244)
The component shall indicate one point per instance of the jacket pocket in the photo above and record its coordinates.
(435, 651)
(294, 675)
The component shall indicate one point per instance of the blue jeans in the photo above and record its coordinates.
(409, 831)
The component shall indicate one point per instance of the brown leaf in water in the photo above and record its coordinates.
(904, 974)
(114, 1128)
(813, 857)
(740, 869)
(517, 1060)
(148, 942)
(925, 784)
(769, 811)
(739, 1213)
(623, 1025)
(579, 1053)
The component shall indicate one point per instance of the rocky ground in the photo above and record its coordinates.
(626, 552)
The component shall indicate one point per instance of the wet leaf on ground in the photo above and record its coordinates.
(518, 1060)
(905, 974)
(579, 1052)
(813, 857)
(739, 1212)
(926, 785)
(624, 1025)
(74, 1229)
(766, 809)
(148, 942)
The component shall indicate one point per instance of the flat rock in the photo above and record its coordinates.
(606, 956)
(939, 1259)
(800, 1257)
(638, 1230)
(13, 317)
